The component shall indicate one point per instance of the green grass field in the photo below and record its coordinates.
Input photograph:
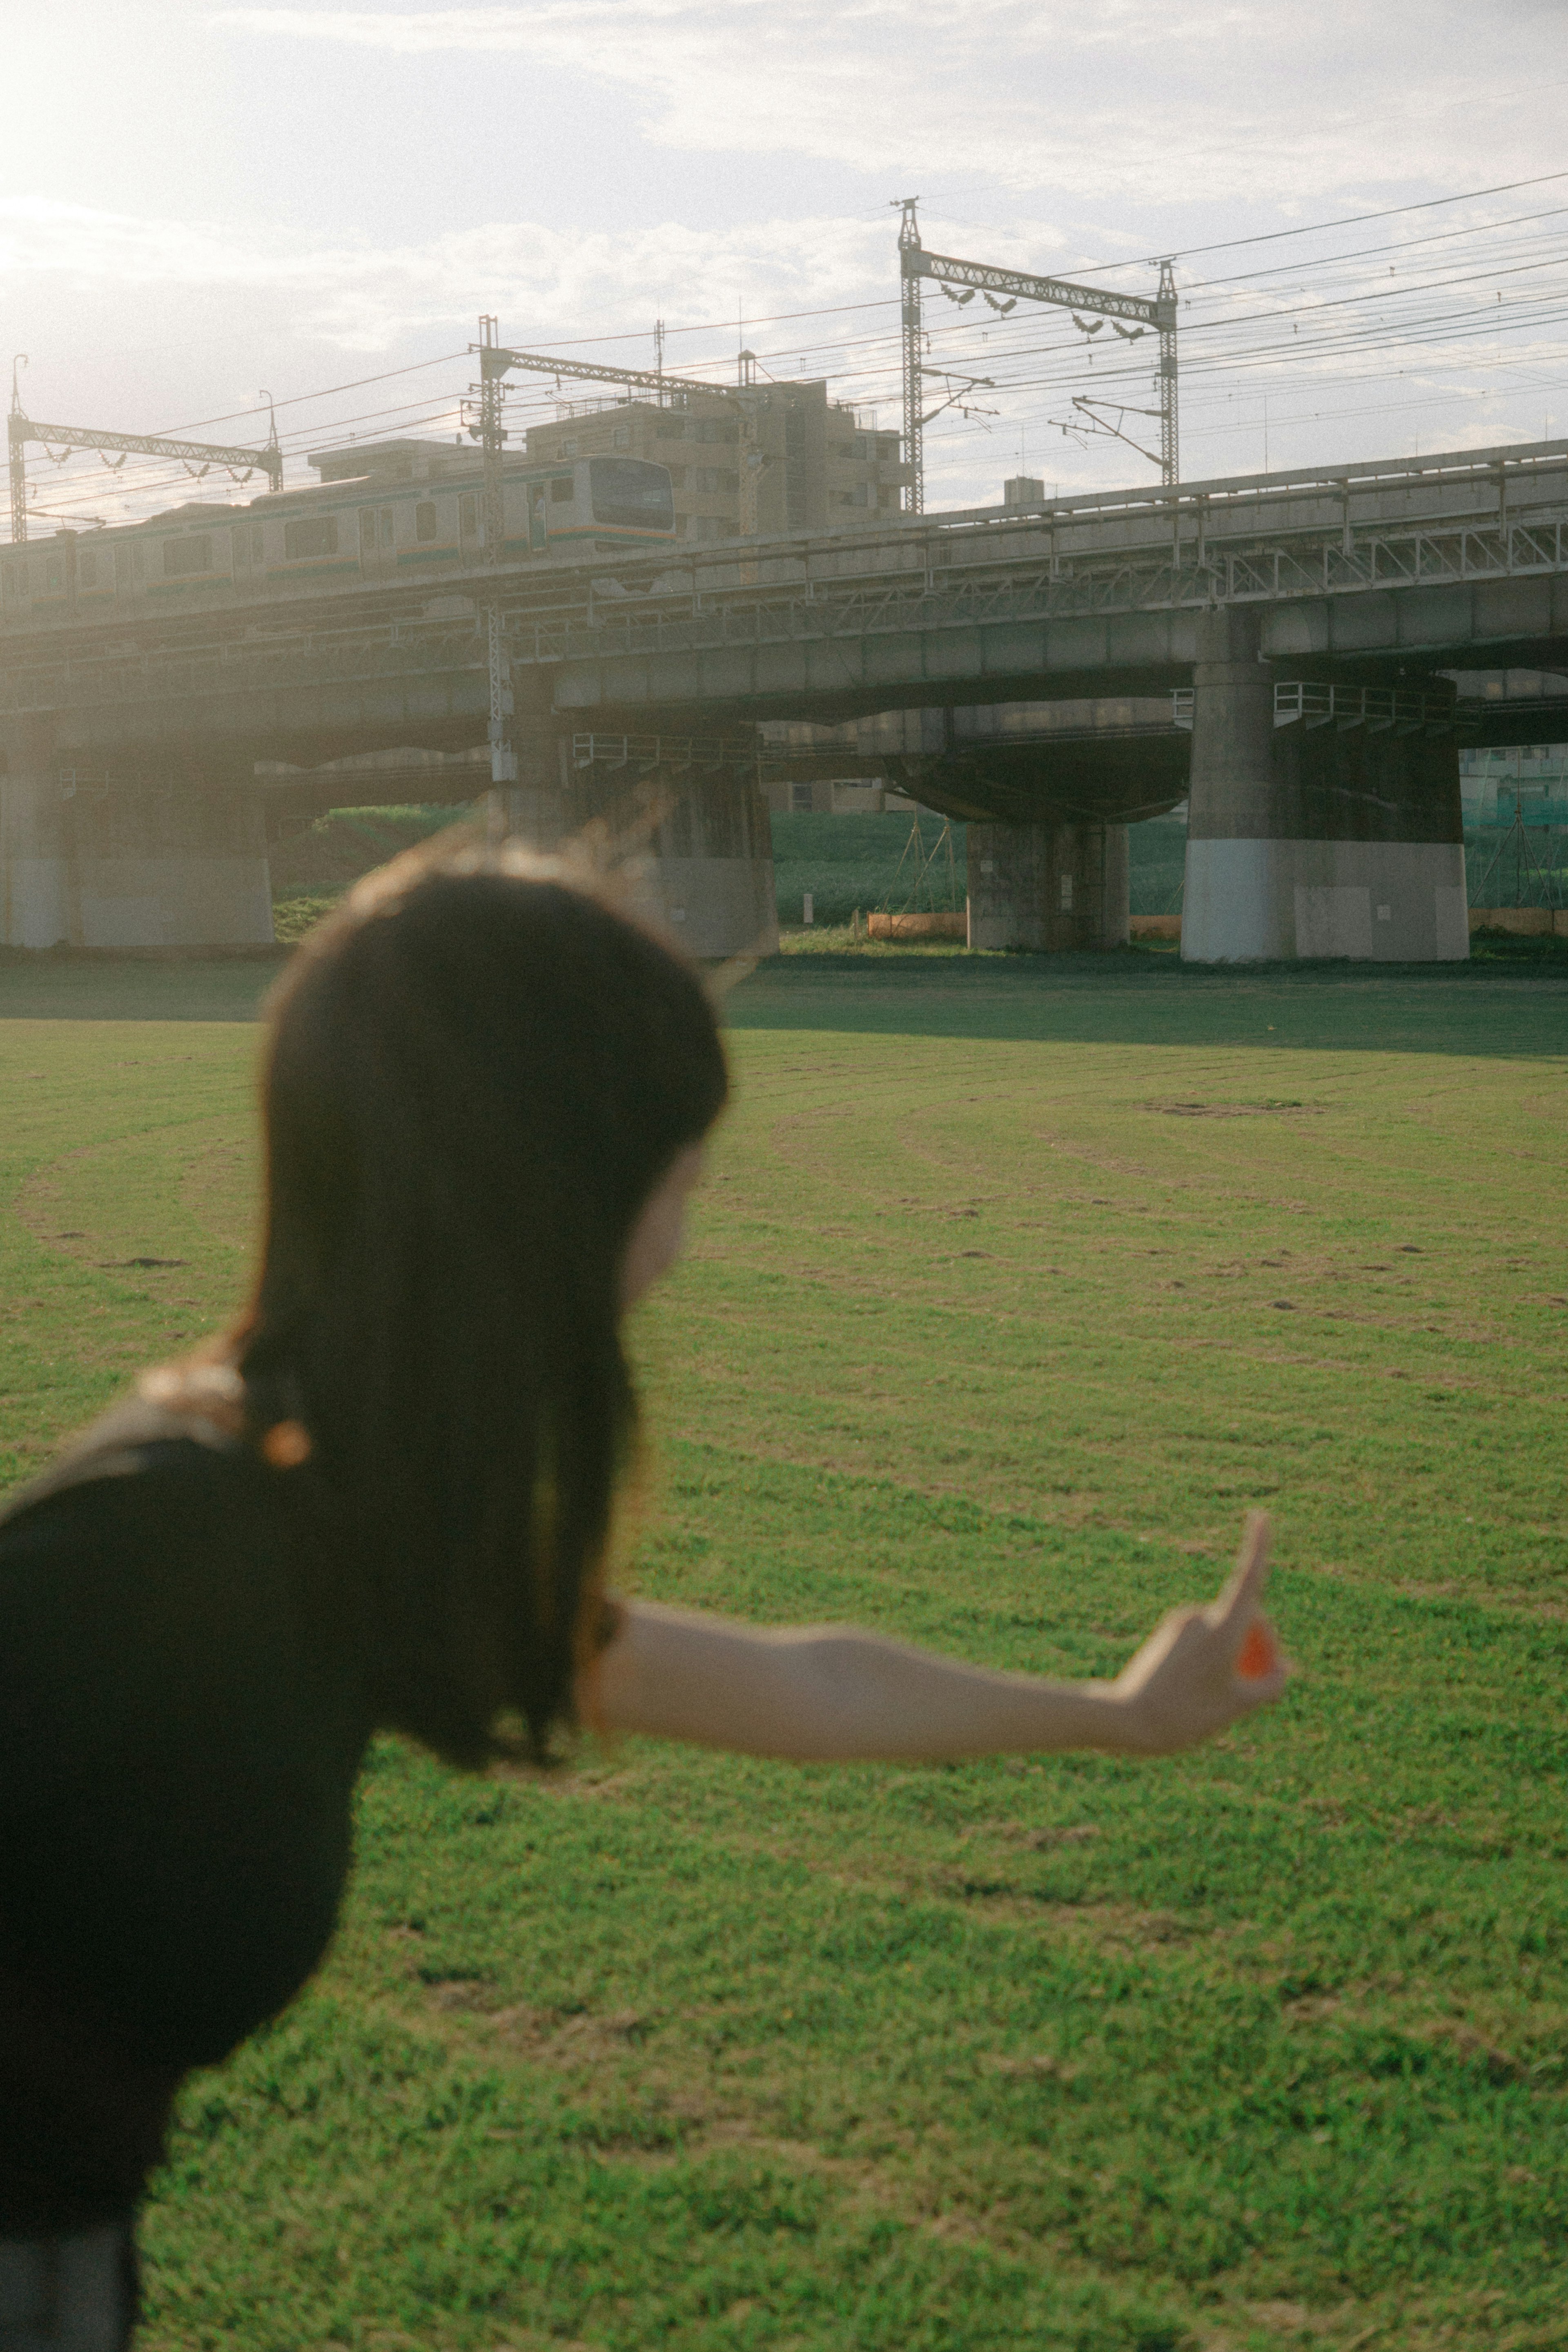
(1016, 1282)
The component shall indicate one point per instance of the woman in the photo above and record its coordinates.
(384, 1502)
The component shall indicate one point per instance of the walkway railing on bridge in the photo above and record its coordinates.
(1380, 709)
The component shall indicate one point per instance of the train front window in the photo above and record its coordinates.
(630, 493)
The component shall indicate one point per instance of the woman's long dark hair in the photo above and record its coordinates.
(480, 1069)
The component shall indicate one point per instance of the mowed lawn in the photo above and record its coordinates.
(1018, 1281)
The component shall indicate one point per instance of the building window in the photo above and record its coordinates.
(800, 799)
(716, 429)
(705, 527)
(425, 520)
(713, 477)
(1067, 894)
(566, 449)
(468, 514)
(887, 445)
(669, 428)
(621, 438)
(310, 535)
(560, 490)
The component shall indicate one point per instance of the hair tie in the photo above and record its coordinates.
(287, 1445)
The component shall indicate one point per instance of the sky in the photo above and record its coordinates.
(202, 201)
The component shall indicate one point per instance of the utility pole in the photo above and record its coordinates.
(492, 541)
(492, 434)
(909, 288)
(1166, 319)
(18, 460)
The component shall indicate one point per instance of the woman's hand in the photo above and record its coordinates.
(834, 1693)
(1184, 1683)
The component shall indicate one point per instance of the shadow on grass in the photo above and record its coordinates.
(1510, 1000)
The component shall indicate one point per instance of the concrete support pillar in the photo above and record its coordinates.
(1047, 888)
(710, 872)
(699, 851)
(535, 809)
(36, 900)
(1313, 842)
(170, 853)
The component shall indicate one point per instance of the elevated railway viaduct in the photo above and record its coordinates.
(1313, 621)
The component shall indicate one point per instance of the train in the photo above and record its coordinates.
(366, 527)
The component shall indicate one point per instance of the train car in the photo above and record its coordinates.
(365, 527)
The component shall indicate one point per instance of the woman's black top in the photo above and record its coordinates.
(179, 1742)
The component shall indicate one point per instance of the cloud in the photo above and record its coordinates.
(1217, 98)
(541, 279)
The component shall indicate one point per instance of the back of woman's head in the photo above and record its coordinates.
(480, 1070)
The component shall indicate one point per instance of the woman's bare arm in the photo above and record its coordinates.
(833, 1694)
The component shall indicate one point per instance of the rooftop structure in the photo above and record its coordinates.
(395, 461)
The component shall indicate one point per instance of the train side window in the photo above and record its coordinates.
(256, 544)
(425, 520)
(54, 575)
(389, 530)
(468, 514)
(621, 438)
(310, 535)
(367, 526)
(13, 582)
(193, 554)
(560, 489)
(86, 568)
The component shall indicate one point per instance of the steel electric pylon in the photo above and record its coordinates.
(492, 541)
(911, 327)
(1166, 321)
(1002, 289)
(20, 429)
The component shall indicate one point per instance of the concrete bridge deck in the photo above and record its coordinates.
(1380, 575)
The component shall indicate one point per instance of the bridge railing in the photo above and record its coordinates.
(1380, 709)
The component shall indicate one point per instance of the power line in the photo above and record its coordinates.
(1320, 228)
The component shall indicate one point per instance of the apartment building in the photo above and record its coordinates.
(820, 467)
